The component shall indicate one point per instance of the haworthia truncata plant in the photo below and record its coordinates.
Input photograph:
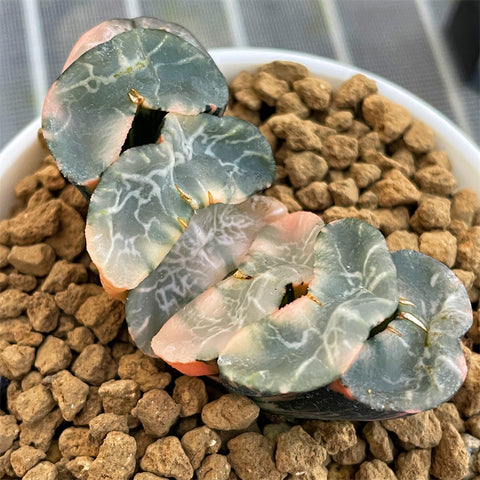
(282, 253)
(314, 339)
(317, 321)
(410, 362)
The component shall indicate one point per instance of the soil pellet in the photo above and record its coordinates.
(379, 442)
(9, 431)
(143, 370)
(105, 423)
(252, 456)
(191, 394)
(198, 442)
(387, 118)
(422, 430)
(33, 226)
(353, 455)
(450, 456)
(115, 459)
(230, 412)
(298, 452)
(34, 404)
(157, 411)
(375, 469)
(413, 464)
(25, 458)
(354, 90)
(214, 467)
(166, 457)
(69, 392)
(84, 403)
(292, 103)
(44, 470)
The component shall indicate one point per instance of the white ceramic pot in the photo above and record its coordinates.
(23, 153)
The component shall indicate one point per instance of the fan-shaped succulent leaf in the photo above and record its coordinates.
(313, 340)
(143, 202)
(287, 242)
(89, 110)
(212, 246)
(105, 31)
(198, 332)
(352, 261)
(417, 362)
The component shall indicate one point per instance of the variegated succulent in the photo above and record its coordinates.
(212, 246)
(144, 201)
(310, 320)
(193, 338)
(381, 339)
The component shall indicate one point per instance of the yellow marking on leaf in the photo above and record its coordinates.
(135, 97)
(182, 222)
(404, 301)
(242, 276)
(415, 320)
(312, 297)
(187, 198)
(394, 331)
(211, 201)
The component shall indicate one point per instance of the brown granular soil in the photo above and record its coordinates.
(84, 403)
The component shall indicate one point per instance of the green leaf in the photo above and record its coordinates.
(89, 110)
(417, 363)
(282, 253)
(144, 200)
(211, 247)
(105, 31)
(313, 340)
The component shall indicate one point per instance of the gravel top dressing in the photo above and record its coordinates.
(84, 403)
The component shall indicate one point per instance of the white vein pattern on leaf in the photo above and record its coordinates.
(191, 263)
(145, 229)
(244, 305)
(426, 384)
(194, 263)
(334, 328)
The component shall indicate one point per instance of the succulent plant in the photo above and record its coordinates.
(144, 201)
(312, 340)
(316, 321)
(107, 30)
(416, 361)
(411, 361)
(144, 195)
(193, 338)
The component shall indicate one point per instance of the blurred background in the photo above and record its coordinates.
(430, 47)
